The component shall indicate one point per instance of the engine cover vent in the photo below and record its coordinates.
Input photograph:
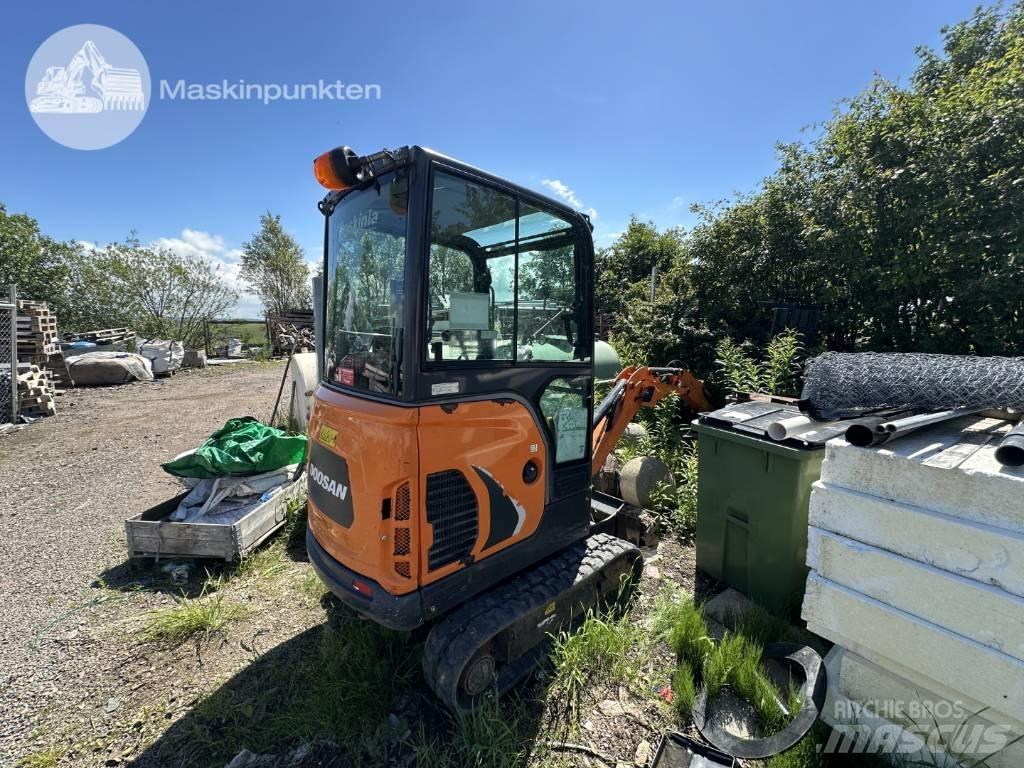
(453, 513)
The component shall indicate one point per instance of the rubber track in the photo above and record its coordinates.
(455, 639)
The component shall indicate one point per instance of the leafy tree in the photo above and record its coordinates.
(902, 221)
(671, 327)
(379, 262)
(624, 269)
(155, 291)
(40, 266)
(450, 271)
(151, 290)
(548, 276)
(273, 264)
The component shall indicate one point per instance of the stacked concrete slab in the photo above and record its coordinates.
(916, 550)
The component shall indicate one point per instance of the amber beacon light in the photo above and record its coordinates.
(337, 169)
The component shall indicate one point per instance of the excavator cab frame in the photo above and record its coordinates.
(526, 465)
(453, 438)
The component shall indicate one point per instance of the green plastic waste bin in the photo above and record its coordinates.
(752, 515)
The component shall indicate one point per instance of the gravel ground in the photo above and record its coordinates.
(77, 687)
(67, 483)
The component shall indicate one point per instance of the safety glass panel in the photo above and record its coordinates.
(471, 272)
(549, 291)
(564, 407)
(366, 287)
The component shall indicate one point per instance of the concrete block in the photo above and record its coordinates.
(976, 551)
(877, 706)
(948, 468)
(194, 358)
(886, 635)
(981, 612)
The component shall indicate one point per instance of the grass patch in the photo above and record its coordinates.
(265, 563)
(679, 621)
(338, 681)
(804, 754)
(733, 661)
(602, 650)
(739, 658)
(492, 735)
(311, 588)
(763, 627)
(684, 688)
(46, 758)
(197, 617)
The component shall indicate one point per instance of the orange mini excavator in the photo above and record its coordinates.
(454, 435)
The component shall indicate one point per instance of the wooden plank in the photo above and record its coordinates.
(253, 529)
(151, 532)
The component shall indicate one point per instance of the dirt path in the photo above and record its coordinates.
(80, 688)
(67, 483)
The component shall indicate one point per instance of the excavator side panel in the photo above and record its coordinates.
(363, 488)
(482, 478)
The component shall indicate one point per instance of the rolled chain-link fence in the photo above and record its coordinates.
(8, 363)
(841, 386)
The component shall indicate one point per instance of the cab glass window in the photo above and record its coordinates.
(564, 407)
(503, 278)
(366, 287)
(548, 293)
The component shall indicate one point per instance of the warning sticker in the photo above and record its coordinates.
(445, 388)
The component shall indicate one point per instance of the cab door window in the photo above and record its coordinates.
(548, 288)
(503, 277)
(471, 272)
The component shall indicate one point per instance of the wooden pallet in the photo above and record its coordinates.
(33, 323)
(38, 411)
(52, 363)
(28, 350)
(36, 328)
(35, 391)
(35, 337)
(31, 304)
(105, 335)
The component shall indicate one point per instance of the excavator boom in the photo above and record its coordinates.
(634, 388)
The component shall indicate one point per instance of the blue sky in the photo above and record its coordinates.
(622, 108)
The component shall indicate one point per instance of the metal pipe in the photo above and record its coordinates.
(910, 423)
(865, 432)
(12, 293)
(1010, 452)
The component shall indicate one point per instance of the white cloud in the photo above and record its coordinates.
(607, 237)
(563, 191)
(212, 248)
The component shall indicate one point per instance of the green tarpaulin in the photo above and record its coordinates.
(242, 446)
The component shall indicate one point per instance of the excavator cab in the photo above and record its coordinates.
(451, 440)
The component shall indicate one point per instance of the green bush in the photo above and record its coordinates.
(899, 224)
(776, 374)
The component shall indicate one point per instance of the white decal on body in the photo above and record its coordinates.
(331, 486)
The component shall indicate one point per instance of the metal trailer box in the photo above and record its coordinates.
(752, 504)
(151, 534)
